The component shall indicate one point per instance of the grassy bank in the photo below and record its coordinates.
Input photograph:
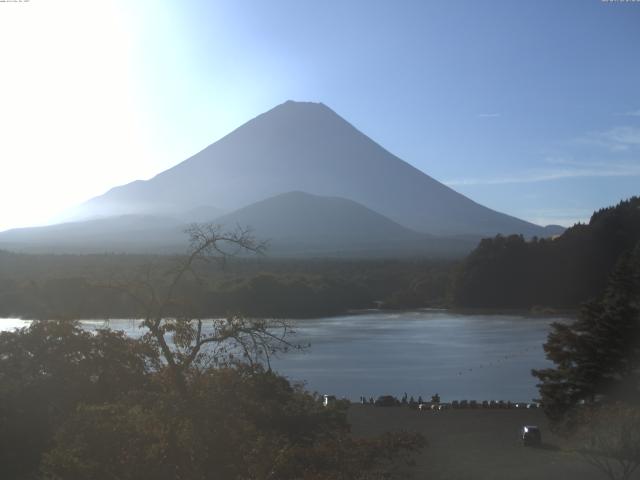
(477, 444)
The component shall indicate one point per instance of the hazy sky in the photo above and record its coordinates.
(529, 107)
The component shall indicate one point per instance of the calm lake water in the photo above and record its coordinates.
(459, 356)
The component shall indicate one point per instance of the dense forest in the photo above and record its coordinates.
(90, 286)
(563, 272)
(501, 273)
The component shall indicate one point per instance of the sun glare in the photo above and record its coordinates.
(68, 103)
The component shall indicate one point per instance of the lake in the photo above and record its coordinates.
(459, 356)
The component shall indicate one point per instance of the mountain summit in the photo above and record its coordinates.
(303, 146)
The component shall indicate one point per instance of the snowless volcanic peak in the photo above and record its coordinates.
(307, 147)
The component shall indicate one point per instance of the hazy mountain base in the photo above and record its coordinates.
(294, 224)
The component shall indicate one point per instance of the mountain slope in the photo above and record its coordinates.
(298, 222)
(307, 147)
(299, 215)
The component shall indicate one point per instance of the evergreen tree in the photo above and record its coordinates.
(598, 355)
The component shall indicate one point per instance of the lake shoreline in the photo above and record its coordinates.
(537, 312)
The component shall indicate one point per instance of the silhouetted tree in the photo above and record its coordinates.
(597, 355)
(46, 372)
(175, 325)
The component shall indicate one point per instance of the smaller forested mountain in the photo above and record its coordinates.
(300, 224)
(564, 272)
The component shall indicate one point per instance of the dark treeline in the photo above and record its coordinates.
(510, 272)
(501, 273)
(86, 286)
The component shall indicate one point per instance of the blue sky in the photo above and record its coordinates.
(531, 108)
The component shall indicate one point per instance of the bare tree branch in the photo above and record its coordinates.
(182, 339)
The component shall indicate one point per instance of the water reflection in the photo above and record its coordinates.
(459, 356)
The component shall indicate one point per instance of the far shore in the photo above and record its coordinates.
(535, 312)
(541, 312)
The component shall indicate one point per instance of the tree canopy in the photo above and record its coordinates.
(78, 405)
(564, 272)
(597, 357)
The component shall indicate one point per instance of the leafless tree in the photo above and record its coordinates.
(175, 327)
